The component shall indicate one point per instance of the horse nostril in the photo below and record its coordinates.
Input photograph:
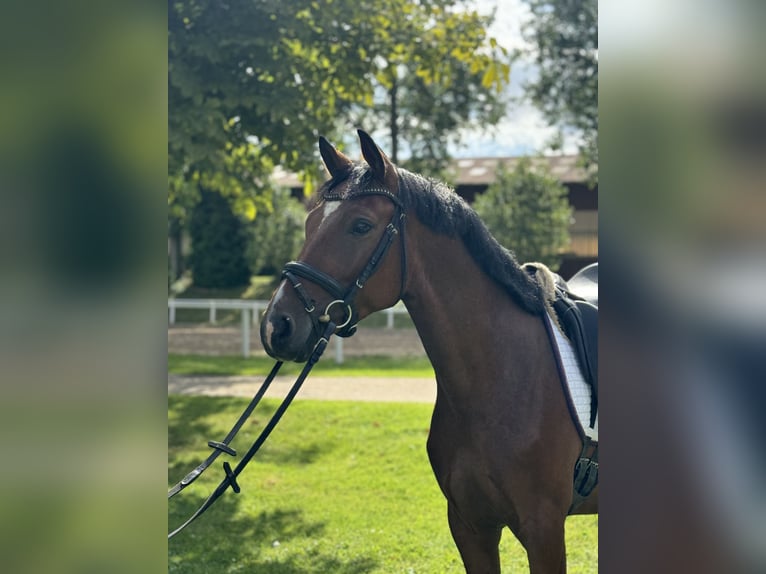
(284, 327)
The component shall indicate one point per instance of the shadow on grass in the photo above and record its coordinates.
(192, 420)
(219, 542)
(320, 565)
(193, 427)
(269, 454)
(293, 455)
(219, 532)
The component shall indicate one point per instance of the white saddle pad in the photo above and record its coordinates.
(579, 390)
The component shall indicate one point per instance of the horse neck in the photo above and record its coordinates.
(475, 335)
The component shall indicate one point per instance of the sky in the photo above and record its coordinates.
(523, 131)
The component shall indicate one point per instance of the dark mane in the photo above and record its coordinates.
(445, 212)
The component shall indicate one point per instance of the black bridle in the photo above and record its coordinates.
(325, 328)
(344, 296)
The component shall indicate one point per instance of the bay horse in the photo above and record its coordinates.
(502, 442)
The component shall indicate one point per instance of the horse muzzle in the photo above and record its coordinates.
(286, 334)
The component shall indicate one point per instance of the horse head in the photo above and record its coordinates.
(347, 267)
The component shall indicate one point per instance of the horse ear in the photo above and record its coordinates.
(374, 157)
(335, 161)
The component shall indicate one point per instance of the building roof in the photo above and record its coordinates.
(479, 170)
(281, 176)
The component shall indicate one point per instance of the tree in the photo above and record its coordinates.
(435, 72)
(527, 210)
(564, 35)
(252, 85)
(275, 238)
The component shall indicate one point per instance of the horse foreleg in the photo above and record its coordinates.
(478, 548)
(543, 539)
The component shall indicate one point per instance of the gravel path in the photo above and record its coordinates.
(212, 340)
(376, 389)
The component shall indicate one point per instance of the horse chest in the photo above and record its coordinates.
(467, 468)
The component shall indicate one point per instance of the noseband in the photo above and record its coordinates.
(343, 297)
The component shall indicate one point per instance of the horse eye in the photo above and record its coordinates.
(361, 227)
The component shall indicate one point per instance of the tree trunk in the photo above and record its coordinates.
(392, 122)
(175, 250)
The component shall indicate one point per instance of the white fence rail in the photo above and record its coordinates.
(251, 310)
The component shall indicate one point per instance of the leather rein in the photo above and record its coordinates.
(323, 326)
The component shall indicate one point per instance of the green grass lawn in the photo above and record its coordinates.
(367, 366)
(339, 487)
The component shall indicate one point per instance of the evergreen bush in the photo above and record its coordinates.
(218, 244)
(528, 212)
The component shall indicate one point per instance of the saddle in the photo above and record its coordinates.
(576, 307)
(575, 303)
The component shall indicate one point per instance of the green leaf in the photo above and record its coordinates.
(490, 77)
